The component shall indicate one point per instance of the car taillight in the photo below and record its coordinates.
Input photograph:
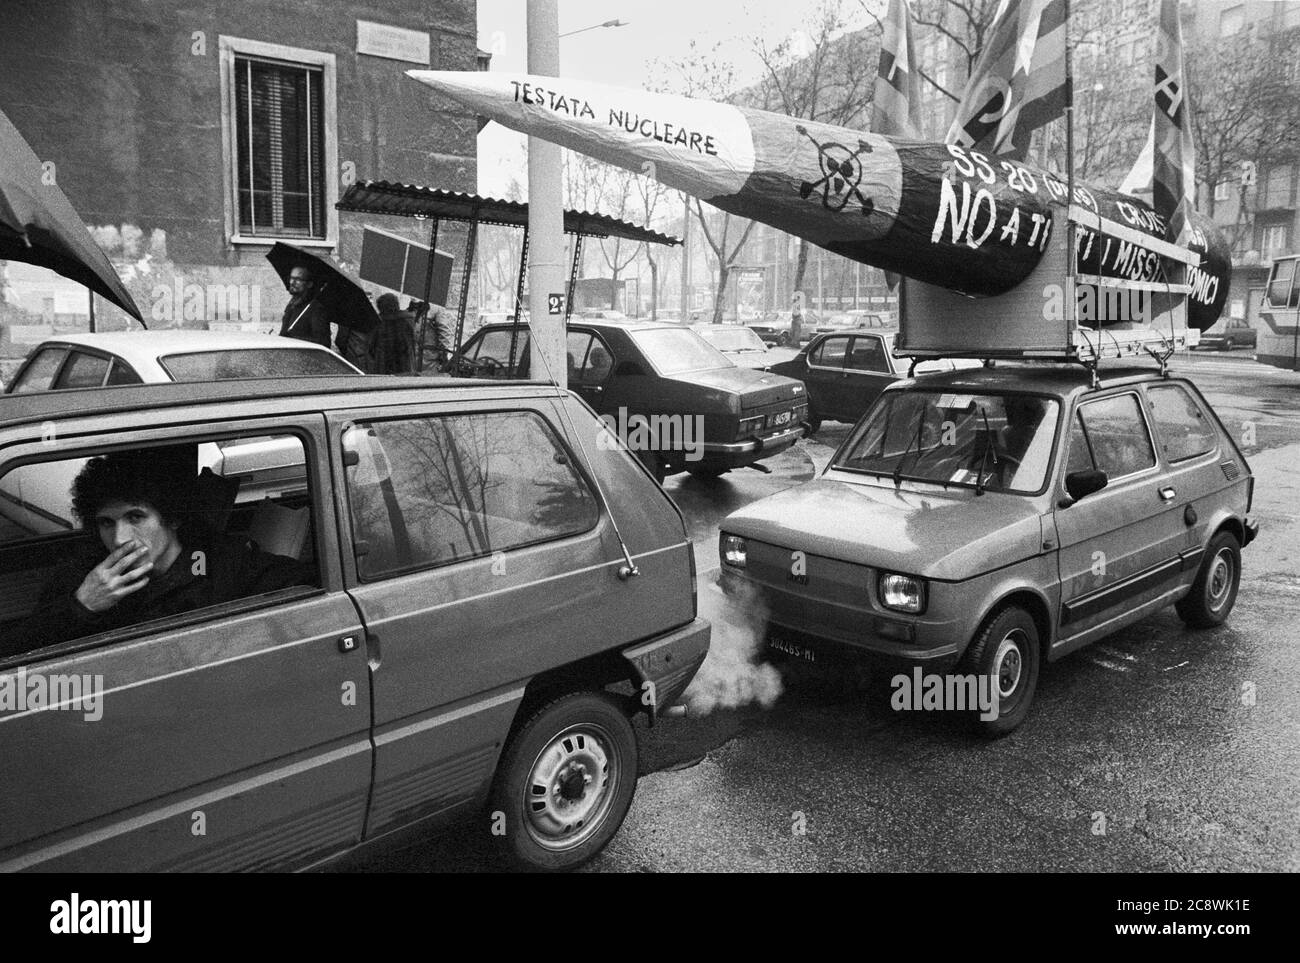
(749, 426)
(695, 589)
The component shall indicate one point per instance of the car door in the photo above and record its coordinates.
(234, 736)
(469, 533)
(825, 378)
(866, 373)
(1188, 444)
(1120, 547)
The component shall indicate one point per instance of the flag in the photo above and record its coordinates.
(896, 105)
(1019, 82)
(1173, 160)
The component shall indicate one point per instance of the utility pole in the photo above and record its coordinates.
(547, 352)
(686, 259)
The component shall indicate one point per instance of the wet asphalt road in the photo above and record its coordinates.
(1142, 752)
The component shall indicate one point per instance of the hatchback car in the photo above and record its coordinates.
(156, 357)
(448, 602)
(844, 373)
(676, 400)
(1001, 517)
(1228, 334)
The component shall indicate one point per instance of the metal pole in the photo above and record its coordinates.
(428, 286)
(548, 352)
(573, 279)
(686, 259)
(471, 242)
(1071, 295)
(92, 310)
(519, 304)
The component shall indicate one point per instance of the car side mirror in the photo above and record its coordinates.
(1083, 483)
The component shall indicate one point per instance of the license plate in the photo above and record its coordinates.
(792, 648)
(783, 418)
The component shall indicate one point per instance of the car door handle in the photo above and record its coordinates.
(1167, 494)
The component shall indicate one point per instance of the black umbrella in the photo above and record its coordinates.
(347, 302)
(39, 226)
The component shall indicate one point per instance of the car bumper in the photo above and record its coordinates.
(1251, 527)
(669, 662)
(736, 454)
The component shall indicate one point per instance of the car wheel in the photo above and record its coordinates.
(1007, 651)
(1214, 592)
(565, 782)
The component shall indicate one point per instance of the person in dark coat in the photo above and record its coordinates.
(305, 318)
(395, 341)
(149, 563)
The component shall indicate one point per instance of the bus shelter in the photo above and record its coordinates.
(437, 205)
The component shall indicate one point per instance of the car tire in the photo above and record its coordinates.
(1007, 649)
(1214, 592)
(814, 421)
(565, 783)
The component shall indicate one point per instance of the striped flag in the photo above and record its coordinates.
(896, 107)
(1173, 159)
(1019, 82)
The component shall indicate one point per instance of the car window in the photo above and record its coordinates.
(830, 353)
(1182, 427)
(589, 360)
(83, 371)
(253, 363)
(494, 345)
(1279, 285)
(217, 522)
(1118, 435)
(122, 374)
(677, 350)
(1080, 457)
(40, 371)
(868, 354)
(430, 491)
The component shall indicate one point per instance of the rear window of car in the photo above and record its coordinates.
(40, 371)
(253, 363)
(732, 339)
(1184, 430)
(431, 491)
(675, 351)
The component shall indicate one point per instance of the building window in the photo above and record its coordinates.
(278, 125)
(1273, 239)
(1222, 190)
(1277, 188)
(1232, 20)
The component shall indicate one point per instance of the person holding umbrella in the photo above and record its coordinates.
(305, 317)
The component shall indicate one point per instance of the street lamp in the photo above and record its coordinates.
(597, 26)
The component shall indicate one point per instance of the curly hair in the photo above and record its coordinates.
(129, 476)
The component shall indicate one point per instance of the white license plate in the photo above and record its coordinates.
(783, 418)
(792, 648)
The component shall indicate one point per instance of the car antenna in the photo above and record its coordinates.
(628, 569)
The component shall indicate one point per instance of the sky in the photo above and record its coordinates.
(625, 56)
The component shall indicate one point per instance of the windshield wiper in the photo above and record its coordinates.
(898, 469)
(989, 447)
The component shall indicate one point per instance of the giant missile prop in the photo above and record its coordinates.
(933, 212)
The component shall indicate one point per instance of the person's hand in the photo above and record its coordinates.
(124, 571)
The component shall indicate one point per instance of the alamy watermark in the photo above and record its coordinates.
(637, 432)
(179, 301)
(25, 691)
(945, 693)
(1095, 303)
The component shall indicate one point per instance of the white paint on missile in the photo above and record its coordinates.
(698, 146)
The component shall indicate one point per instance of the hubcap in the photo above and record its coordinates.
(570, 787)
(1008, 663)
(1219, 584)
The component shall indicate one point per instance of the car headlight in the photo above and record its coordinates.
(902, 593)
(734, 551)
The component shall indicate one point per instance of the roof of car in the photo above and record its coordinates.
(47, 405)
(133, 345)
(620, 324)
(1051, 378)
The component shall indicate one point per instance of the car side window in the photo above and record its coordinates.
(122, 374)
(83, 371)
(1117, 432)
(1080, 457)
(41, 371)
(1182, 427)
(96, 544)
(589, 360)
(830, 353)
(435, 490)
(495, 345)
(868, 354)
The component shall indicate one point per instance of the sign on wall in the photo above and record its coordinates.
(392, 43)
(402, 265)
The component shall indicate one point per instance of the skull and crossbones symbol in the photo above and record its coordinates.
(841, 175)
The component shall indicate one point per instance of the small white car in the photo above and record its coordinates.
(158, 357)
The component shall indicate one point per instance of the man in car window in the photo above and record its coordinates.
(152, 561)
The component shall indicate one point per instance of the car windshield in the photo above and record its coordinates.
(997, 442)
(732, 339)
(253, 363)
(674, 351)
